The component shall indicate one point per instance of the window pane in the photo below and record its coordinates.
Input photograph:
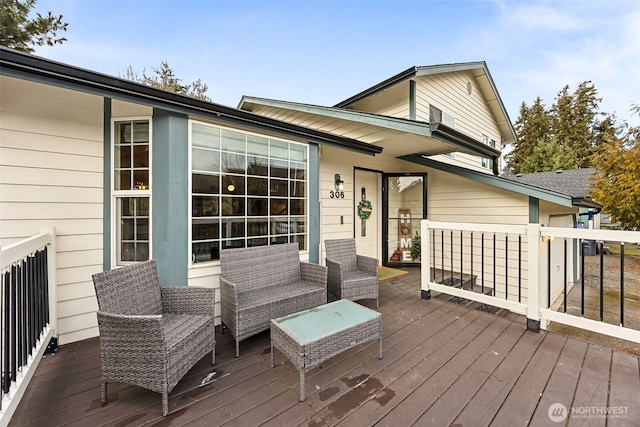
(232, 244)
(257, 206)
(142, 251)
(142, 229)
(279, 149)
(128, 252)
(279, 226)
(279, 188)
(142, 206)
(233, 141)
(258, 227)
(298, 188)
(205, 251)
(234, 163)
(141, 156)
(123, 156)
(298, 152)
(205, 229)
(141, 179)
(208, 184)
(233, 206)
(140, 132)
(205, 136)
(279, 169)
(257, 186)
(297, 206)
(123, 180)
(205, 160)
(128, 228)
(301, 240)
(258, 166)
(233, 184)
(257, 145)
(205, 206)
(233, 228)
(298, 170)
(262, 241)
(279, 207)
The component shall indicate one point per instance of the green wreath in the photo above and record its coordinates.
(364, 209)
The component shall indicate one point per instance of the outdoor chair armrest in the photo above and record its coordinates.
(368, 264)
(314, 273)
(228, 293)
(189, 300)
(127, 333)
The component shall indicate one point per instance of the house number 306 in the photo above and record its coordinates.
(336, 194)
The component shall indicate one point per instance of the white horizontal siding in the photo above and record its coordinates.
(51, 175)
(472, 115)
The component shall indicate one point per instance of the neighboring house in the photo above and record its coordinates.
(126, 172)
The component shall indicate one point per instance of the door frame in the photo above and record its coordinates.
(385, 214)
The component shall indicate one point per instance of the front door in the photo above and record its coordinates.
(367, 220)
(406, 204)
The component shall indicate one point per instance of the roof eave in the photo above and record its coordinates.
(22, 63)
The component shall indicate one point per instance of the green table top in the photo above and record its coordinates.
(325, 320)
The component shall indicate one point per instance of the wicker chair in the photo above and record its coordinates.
(350, 276)
(150, 336)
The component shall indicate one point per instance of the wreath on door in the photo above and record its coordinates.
(364, 209)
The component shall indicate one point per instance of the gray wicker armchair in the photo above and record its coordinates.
(350, 276)
(150, 336)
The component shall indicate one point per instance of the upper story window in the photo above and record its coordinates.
(131, 190)
(246, 190)
(488, 163)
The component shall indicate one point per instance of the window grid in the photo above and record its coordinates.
(247, 190)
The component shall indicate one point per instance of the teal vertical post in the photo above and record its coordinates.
(314, 204)
(106, 185)
(169, 196)
(412, 100)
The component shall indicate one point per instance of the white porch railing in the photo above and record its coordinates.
(28, 315)
(529, 270)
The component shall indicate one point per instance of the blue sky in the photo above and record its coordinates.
(322, 52)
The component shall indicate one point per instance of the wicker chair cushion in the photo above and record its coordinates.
(179, 328)
(130, 290)
(275, 293)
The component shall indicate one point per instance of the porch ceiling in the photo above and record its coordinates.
(397, 136)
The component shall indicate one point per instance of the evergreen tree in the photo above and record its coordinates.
(548, 156)
(532, 127)
(22, 33)
(164, 78)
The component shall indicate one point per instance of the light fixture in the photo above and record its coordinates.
(338, 183)
(231, 188)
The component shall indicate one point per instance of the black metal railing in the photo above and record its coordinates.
(496, 259)
(24, 302)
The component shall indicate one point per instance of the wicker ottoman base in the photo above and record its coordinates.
(312, 336)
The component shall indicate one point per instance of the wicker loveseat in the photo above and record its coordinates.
(265, 282)
(151, 336)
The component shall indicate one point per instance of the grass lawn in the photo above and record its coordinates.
(629, 249)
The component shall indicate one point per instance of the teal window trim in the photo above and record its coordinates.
(412, 100)
(314, 204)
(534, 210)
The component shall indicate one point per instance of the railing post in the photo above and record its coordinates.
(533, 278)
(52, 270)
(425, 256)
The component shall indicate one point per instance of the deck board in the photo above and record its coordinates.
(443, 364)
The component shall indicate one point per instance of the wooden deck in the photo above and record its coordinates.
(444, 364)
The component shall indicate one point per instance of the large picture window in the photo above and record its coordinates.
(246, 190)
(131, 184)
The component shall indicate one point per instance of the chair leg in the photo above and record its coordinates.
(237, 348)
(103, 396)
(165, 403)
(213, 357)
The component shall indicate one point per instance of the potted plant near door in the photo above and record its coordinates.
(416, 249)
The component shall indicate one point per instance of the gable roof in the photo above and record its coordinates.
(26, 66)
(574, 183)
(481, 74)
(373, 127)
